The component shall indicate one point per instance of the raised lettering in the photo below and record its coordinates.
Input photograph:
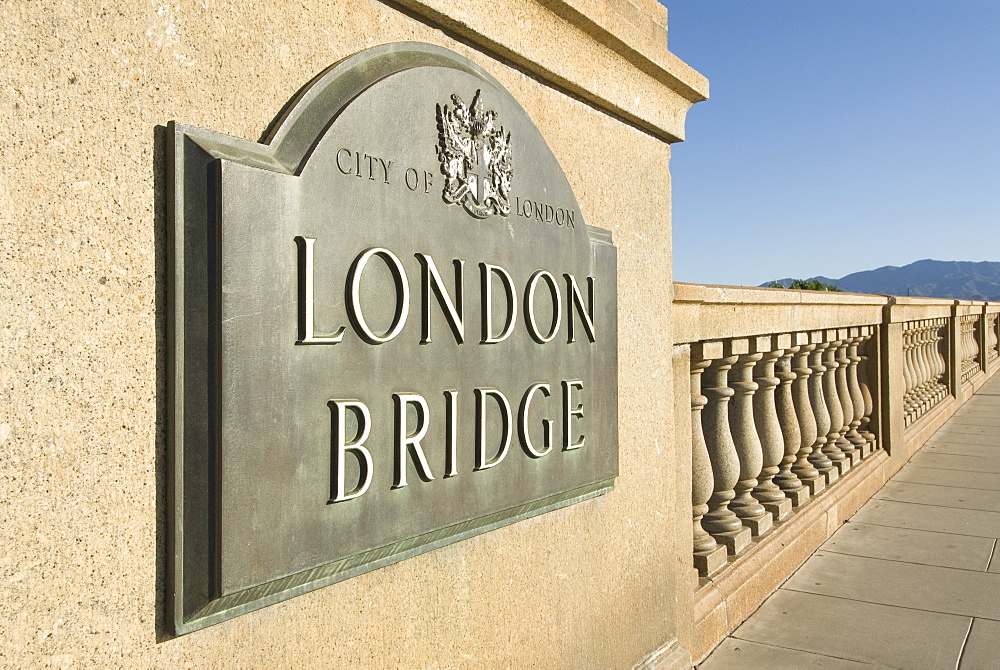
(524, 429)
(341, 167)
(486, 272)
(482, 462)
(576, 305)
(529, 306)
(385, 169)
(341, 446)
(431, 282)
(569, 412)
(411, 178)
(354, 295)
(451, 433)
(406, 441)
(307, 327)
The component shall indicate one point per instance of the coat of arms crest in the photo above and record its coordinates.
(475, 158)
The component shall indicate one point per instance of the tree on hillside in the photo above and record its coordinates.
(810, 285)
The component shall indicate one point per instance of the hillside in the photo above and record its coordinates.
(963, 280)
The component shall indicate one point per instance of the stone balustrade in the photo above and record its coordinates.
(775, 420)
(798, 406)
(791, 391)
(968, 343)
(926, 365)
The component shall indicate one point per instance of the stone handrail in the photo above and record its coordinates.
(787, 394)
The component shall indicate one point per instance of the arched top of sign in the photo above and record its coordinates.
(316, 105)
(487, 157)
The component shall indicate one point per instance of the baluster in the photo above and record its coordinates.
(751, 513)
(864, 374)
(846, 402)
(921, 368)
(991, 337)
(819, 457)
(833, 448)
(940, 351)
(931, 363)
(935, 363)
(803, 466)
(854, 390)
(974, 342)
(961, 348)
(709, 555)
(765, 418)
(908, 407)
(786, 479)
(719, 520)
(995, 337)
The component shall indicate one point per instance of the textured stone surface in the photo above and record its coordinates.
(82, 345)
(904, 638)
(942, 496)
(970, 480)
(983, 646)
(745, 654)
(924, 587)
(928, 517)
(912, 546)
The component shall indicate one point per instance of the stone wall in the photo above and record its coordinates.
(86, 89)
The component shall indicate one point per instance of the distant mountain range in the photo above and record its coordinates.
(961, 280)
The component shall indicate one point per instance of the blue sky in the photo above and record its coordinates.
(840, 136)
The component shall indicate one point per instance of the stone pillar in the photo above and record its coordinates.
(955, 354)
(786, 479)
(709, 555)
(803, 467)
(720, 521)
(747, 508)
(854, 390)
(909, 382)
(765, 417)
(891, 389)
(869, 376)
(848, 448)
(820, 456)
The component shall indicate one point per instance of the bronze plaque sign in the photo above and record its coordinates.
(391, 329)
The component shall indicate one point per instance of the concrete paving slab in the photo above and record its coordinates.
(940, 496)
(995, 561)
(990, 419)
(744, 654)
(924, 587)
(914, 546)
(991, 411)
(982, 650)
(958, 428)
(973, 480)
(929, 517)
(973, 410)
(903, 638)
(964, 438)
(952, 447)
(955, 462)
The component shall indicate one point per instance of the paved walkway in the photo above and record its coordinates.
(911, 581)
